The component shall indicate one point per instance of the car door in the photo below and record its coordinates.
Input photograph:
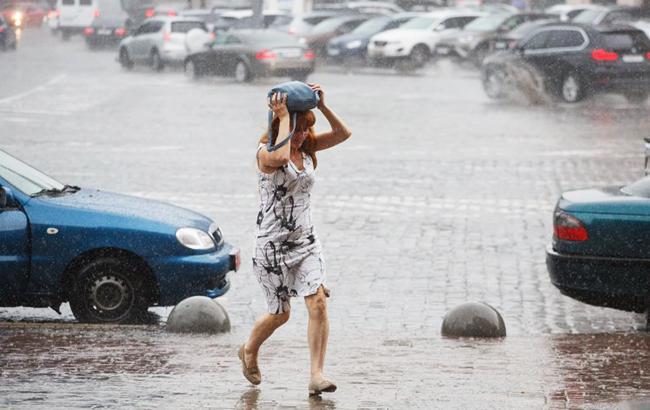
(14, 251)
(563, 48)
(228, 54)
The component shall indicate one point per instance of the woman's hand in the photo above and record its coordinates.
(278, 104)
(321, 94)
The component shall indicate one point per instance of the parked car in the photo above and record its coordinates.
(322, 33)
(567, 12)
(576, 60)
(248, 54)
(511, 38)
(416, 40)
(109, 25)
(608, 15)
(300, 25)
(473, 42)
(355, 44)
(157, 42)
(110, 255)
(599, 253)
(7, 35)
(24, 14)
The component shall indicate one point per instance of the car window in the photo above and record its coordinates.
(68, 2)
(454, 22)
(616, 16)
(155, 26)
(142, 29)
(511, 23)
(639, 188)
(564, 39)
(315, 20)
(571, 15)
(24, 177)
(537, 41)
(185, 26)
(85, 2)
(587, 16)
(350, 25)
(625, 41)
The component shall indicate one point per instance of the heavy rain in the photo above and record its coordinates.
(496, 155)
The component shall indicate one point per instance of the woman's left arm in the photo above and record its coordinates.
(339, 133)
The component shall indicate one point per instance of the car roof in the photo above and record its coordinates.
(592, 28)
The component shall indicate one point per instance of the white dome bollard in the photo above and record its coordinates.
(198, 314)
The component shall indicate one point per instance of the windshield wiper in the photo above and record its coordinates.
(54, 191)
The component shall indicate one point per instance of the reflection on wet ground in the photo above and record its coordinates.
(68, 365)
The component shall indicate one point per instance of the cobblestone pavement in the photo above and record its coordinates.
(441, 196)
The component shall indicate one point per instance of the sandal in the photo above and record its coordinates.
(324, 386)
(252, 374)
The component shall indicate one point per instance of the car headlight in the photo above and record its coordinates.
(194, 239)
(354, 44)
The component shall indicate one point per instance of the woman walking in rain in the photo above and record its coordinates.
(288, 261)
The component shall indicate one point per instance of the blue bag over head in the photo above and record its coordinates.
(300, 98)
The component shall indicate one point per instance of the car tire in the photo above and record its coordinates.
(419, 56)
(192, 70)
(494, 83)
(479, 54)
(109, 290)
(156, 62)
(637, 97)
(571, 88)
(125, 60)
(243, 72)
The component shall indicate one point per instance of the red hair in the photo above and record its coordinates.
(304, 121)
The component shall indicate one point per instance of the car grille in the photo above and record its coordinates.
(381, 43)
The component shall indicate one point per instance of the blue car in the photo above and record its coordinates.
(111, 256)
(600, 252)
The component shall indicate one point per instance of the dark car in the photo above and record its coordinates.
(247, 54)
(355, 43)
(7, 35)
(109, 26)
(600, 253)
(322, 33)
(511, 38)
(577, 60)
(473, 42)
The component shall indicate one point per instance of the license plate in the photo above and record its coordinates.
(290, 53)
(104, 32)
(442, 50)
(500, 45)
(633, 58)
(333, 51)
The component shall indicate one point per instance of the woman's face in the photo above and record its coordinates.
(299, 136)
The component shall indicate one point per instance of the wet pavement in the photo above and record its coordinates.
(440, 197)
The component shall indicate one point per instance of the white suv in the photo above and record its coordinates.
(416, 39)
(158, 41)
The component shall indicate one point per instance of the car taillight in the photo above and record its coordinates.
(149, 12)
(171, 13)
(88, 31)
(310, 55)
(265, 55)
(96, 13)
(213, 35)
(167, 36)
(569, 228)
(292, 31)
(603, 55)
(647, 56)
(2, 29)
(120, 31)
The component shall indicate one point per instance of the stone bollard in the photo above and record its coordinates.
(473, 319)
(198, 314)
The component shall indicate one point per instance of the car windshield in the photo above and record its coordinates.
(25, 178)
(185, 26)
(587, 16)
(420, 23)
(626, 40)
(487, 23)
(372, 26)
(639, 188)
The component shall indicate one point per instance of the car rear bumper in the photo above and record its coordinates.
(620, 283)
(206, 274)
(614, 82)
(281, 68)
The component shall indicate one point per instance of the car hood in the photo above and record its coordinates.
(608, 200)
(127, 208)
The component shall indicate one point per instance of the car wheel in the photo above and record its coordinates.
(494, 82)
(419, 55)
(108, 290)
(637, 97)
(192, 70)
(242, 72)
(479, 55)
(156, 61)
(571, 89)
(125, 60)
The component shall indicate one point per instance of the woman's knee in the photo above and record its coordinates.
(281, 318)
(317, 305)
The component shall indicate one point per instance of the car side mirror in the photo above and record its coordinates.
(3, 198)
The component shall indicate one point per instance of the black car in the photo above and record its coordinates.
(247, 54)
(355, 43)
(7, 35)
(106, 30)
(575, 60)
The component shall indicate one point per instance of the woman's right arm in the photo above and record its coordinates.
(270, 161)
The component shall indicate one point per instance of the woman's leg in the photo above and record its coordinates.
(317, 332)
(262, 330)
